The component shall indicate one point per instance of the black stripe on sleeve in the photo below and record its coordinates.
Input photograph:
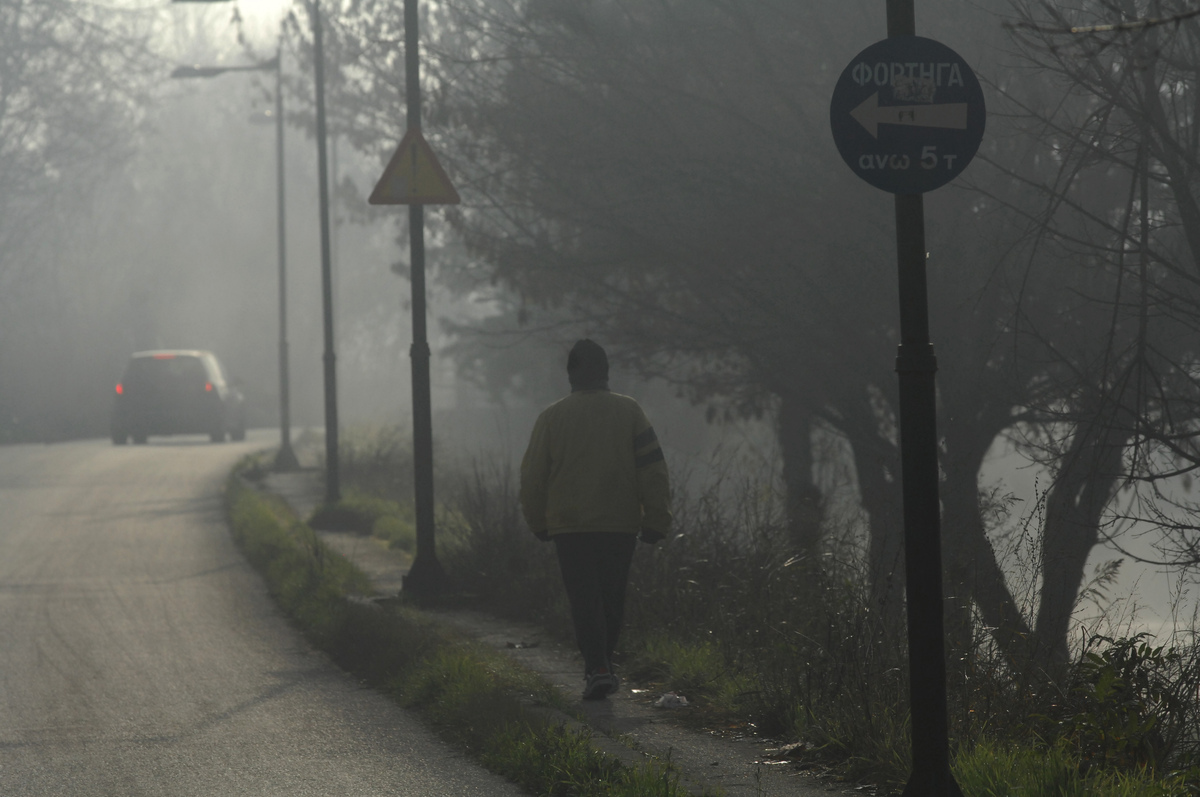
(644, 438)
(649, 459)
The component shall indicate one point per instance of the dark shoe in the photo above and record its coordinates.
(600, 684)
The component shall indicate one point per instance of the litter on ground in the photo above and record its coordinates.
(671, 700)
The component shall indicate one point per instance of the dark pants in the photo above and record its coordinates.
(595, 570)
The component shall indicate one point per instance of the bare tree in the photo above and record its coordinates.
(1116, 194)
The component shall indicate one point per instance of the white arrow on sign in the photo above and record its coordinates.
(869, 114)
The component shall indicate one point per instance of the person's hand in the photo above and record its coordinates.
(542, 535)
(650, 536)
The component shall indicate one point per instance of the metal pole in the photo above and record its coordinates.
(333, 490)
(425, 579)
(286, 458)
(917, 366)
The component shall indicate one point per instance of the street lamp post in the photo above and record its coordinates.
(285, 459)
(333, 491)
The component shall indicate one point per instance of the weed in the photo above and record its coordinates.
(521, 752)
(1130, 705)
(363, 513)
(993, 771)
(398, 530)
(698, 670)
(378, 460)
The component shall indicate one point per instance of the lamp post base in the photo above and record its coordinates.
(285, 459)
(425, 580)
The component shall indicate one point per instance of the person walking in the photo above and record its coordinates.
(594, 481)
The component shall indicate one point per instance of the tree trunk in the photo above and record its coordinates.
(877, 468)
(804, 502)
(973, 574)
(879, 483)
(1074, 509)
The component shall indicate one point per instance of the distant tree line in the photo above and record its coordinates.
(72, 98)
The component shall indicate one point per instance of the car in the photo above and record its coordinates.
(176, 391)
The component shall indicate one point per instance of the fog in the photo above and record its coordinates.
(177, 248)
(152, 224)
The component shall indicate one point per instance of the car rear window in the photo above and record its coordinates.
(174, 370)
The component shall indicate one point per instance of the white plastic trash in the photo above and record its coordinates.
(671, 700)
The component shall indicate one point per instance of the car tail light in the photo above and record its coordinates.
(164, 356)
(120, 389)
(208, 388)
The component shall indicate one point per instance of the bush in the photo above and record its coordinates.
(1131, 705)
(378, 460)
(399, 530)
(341, 516)
(493, 554)
(362, 513)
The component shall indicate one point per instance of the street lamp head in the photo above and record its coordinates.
(213, 71)
(196, 71)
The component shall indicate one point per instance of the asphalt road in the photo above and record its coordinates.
(140, 655)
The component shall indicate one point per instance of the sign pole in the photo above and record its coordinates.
(917, 367)
(425, 579)
(907, 115)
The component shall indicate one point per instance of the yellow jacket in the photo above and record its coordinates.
(594, 464)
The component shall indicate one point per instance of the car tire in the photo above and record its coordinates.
(139, 439)
(217, 437)
(238, 435)
(119, 438)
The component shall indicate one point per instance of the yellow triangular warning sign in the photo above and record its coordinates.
(413, 176)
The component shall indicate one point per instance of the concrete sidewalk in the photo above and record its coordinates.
(733, 764)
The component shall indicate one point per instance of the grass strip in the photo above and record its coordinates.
(366, 514)
(998, 771)
(473, 697)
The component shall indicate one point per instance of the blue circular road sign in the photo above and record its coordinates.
(907, 114)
